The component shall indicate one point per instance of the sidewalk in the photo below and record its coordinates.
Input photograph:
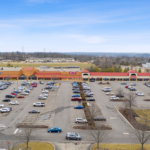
(72, 146)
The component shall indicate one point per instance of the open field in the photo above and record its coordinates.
(37, 146)
(121, 146)
(81, 65)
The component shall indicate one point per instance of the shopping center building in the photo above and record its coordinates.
(29, 73)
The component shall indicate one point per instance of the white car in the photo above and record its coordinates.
(109, 93)
(55, 86)
(45, 91)
(90, 93)
(129, 87)
(4, 110)
(14, 103)
(80, 120)
(1, 105)
(140, 94)
(114, 98)
(44, 95)
(24, 93)
(106, 88)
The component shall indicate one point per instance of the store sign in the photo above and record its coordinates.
(72, 72)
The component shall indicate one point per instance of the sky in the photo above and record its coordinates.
(75, 26)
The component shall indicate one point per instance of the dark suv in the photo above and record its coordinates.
(10, 96)
(6, 100)
(119, 95)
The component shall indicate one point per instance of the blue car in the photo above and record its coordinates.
(76, 95)
(78, 107)
(55, 129)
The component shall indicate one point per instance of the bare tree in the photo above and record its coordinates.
(120, 92)
(28, 135)
(94, 112)
(99, 135)
(140, 130)
(130, 102)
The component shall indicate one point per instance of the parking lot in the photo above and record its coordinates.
(59, 109)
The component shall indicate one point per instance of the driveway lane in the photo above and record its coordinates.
(107, 107)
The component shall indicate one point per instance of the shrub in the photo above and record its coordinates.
(84, 104)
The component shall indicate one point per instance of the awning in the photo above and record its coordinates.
(73, 77)
(133, 77)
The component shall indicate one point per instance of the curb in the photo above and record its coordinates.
(125, 118)
(91, 146)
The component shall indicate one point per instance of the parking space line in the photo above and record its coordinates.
(16, 131)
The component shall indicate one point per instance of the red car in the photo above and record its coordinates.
(20, 96)
(13, 94)
(76, 98)
(33, 85)
(126, 86)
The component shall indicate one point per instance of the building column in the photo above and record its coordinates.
(3, 78)
(136, 79)
(17, 78)
(129, 79)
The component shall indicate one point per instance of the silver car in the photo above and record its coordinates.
(73, 136)
(42, 97)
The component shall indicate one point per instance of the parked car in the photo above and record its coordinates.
(6, 100)
(34, 111)
(10, 108)
(45, 91)
(14, 103)
(41, 82)
(48, 87)
(24, 93)
(123, 83)
(119, 95)
(1, 105)
(80, 120)
(55, 129)
(114, 98)
(76, 98)
(39, 104)
(4, 110)
(10, 96)
(90, 99)
(106, 88)
(2, 88)
(109, 93)
(13, 93)
(45, 95)
(88, 95)
(78, 107)
(99, 118)
(139, 93)
(76, 91)
(42, 97)
(133, 84)
(126, 86)
(132, 89)
(20, 96)
(73, 136)
(76, 95)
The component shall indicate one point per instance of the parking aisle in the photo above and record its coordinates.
(108, 110)
(17, 115)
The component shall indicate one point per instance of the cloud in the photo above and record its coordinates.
(85, 38)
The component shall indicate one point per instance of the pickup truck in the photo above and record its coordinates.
(39, 104)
